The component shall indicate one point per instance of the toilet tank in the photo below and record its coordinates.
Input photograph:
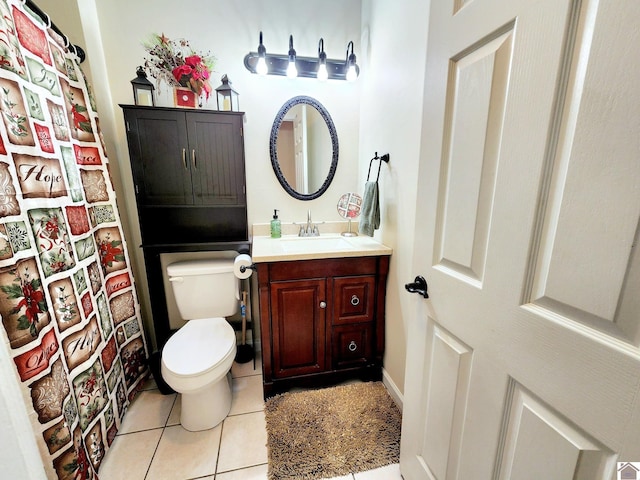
(204, 288)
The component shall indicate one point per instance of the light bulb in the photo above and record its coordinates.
(292, 71)
(322, 72)
(352, 75)
(261, 66)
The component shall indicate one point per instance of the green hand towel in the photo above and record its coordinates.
(370, 213)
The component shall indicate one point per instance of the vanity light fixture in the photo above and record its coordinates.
(261, 66)
(292, 71)
(352, 74)
(322, 62)
(309, 67)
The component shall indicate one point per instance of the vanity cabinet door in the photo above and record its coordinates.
(298, 313)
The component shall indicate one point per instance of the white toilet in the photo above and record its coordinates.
(197, 359)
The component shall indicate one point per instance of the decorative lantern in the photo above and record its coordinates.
(143, 89)
(227, 97)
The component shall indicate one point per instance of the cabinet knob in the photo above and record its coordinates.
(352, 346)
(184, 158)
(355, 300)
(323, 304)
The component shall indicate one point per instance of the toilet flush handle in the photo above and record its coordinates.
(176, 279)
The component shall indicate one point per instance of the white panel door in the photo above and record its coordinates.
(524, 363)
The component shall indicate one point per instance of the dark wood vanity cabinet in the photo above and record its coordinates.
(322, 321)
(189, 178)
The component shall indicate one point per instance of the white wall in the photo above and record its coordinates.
(394, 38)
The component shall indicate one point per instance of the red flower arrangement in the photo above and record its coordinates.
(175, 62)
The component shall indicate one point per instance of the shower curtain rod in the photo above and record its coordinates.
(46, 19)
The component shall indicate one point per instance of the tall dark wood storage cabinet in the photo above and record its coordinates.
(189, 179)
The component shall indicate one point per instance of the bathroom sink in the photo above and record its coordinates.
(329, 245)
(315, 244)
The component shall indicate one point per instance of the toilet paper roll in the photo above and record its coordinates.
(241, 266)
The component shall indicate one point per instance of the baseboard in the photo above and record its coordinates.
(393, 389)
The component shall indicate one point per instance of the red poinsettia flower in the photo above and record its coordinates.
(30, 301)
(193, 60)
(182, 70)
(109, 253)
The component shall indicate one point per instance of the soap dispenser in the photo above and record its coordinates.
(276, 230)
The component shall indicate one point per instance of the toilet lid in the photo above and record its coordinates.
(198, 346)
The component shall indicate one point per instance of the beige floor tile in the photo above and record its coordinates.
(130, 456)
(182, 454)
(150, 409)
(345, 477)
(246, 369)
(390, 472)
(252, 473)
(244, 442)
(247, 395)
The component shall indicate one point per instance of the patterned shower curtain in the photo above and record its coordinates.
(69, 309)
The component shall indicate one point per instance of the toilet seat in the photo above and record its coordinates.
(199, 346)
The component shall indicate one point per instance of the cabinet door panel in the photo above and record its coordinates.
(298, 326)
(216, 159)
(354, 299)
(159, 158)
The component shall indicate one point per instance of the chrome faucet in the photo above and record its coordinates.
(309, 230)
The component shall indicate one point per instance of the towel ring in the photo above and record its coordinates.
(383, 158)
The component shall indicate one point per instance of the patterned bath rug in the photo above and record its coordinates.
(332, 432)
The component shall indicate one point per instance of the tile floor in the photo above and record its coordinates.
(151, 444)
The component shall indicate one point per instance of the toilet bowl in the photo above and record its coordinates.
(196, 362)
(197, 359)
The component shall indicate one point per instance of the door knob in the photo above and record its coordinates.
(419, 285)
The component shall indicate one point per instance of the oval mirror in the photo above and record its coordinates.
(304, 148)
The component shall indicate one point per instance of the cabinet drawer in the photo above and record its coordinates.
(354, 299)
(352, 345)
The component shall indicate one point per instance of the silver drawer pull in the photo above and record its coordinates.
(352, 346)
(355, 300)
(323, 304)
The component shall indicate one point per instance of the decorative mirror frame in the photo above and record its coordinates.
(302, 99)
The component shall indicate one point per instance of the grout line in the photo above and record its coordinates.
(175, 399)
(154, 455)
(138, 431)
(241, 468)
(215, 473)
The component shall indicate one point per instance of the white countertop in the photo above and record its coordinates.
(327, 245)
